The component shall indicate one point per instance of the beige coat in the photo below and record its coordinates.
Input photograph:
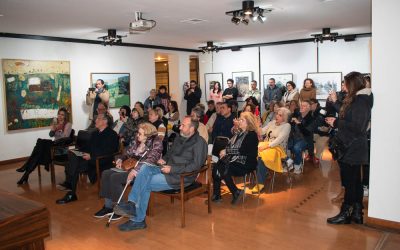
(105, 97)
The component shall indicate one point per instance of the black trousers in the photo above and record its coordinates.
(226, 172)
(351, 179)
(112, 184)
(40, 154)
(76, 165)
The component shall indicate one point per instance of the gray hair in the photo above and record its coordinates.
(285, 113)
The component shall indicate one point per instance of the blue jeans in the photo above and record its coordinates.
(262, 171)
(297, 147)
(148, 179)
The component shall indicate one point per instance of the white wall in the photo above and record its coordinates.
(384, 196)
(84, 59)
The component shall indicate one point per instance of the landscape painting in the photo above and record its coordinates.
(34, 91)
(117, 84)
(242, 80)
(325, 82)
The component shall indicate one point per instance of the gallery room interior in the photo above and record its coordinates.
(148, 44)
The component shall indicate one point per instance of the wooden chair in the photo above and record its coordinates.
(185, 193)
(56, 159)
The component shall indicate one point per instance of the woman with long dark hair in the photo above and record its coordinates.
(352, 125)
(216, 93)
(60, 128)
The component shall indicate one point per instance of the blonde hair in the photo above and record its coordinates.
(139, 110)
(285, 113)
(159, 112)
(250, 120)
(148, 128)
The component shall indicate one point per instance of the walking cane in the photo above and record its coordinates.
(123, 191)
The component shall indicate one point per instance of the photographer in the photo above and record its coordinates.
(96, 95)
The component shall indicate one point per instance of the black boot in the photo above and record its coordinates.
(24, 178)
(21, 169)
(357, 213)
(344, 217)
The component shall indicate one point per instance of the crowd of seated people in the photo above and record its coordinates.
(289, 126)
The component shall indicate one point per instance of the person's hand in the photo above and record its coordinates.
(131, 175)
(222, 153)
(330, 121)
(332, 96)
(295, 120)
(236, 123)
(124, 119)
(161, 162)
(118, 164)
(166, 169)
(263, 147)
(86, 156)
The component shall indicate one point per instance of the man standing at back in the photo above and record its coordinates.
(272, 93)
(192, 96)
(187, 154)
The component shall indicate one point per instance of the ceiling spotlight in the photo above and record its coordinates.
(210, 47)
(111, 38)
(325, 36)
(247, 12)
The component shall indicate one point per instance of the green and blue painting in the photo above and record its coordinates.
(117, 84)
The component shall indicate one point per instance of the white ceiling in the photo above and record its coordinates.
(89, 19)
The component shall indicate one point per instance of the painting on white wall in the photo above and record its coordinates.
(325, 82)
(280, 79)
(210, 80)
(242, 80)
(117, 85)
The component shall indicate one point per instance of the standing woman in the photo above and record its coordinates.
(308, 91)
(292, 94)
(238, 159)
(352, 125)
(216, 93)
(61, 128)
(95, 96)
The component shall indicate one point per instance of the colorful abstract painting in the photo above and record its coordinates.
(117, 84)
(34, 91)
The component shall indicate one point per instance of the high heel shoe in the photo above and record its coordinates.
(24, 179)
(21, 169)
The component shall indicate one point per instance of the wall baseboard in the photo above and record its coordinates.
(383, 224)
(6, 162)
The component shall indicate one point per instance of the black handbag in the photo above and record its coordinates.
(338, 148)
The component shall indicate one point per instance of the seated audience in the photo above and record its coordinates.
(102, 108)
(187, 154)
(196, 114)
(155, 118)
(172, 115)
(238, 159)
(164, 97)
(271, 115)
(119, 125)
(60, 129)
(224, 123)
(132, 125)
(152, 101)
(321, 132)
(213, 117)
(104, 141)
(301, 134)
(146, 147)
(211, 110)
(277, 135)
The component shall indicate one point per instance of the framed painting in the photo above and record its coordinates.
(242, 80)
(325, 82)
(34, 91)
(280, 79)
(117, 84)
(210, 79)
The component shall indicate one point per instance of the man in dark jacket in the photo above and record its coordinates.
(224, 122)
(272, 92)
(187, 154)
(104, 141)
(301, 134)
(192, 96)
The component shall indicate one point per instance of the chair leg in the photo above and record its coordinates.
(255, 177)
(52, 174)
(39, 174)
(271, 188)
(172, 200)
(182, 209)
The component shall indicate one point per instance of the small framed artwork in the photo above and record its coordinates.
(210, 79)
(325, 82)
(242, 80)
(280, 79)
(117, 84)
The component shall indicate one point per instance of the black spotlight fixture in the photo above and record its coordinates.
(248, 12)
(326, 36)
(210, 47)
(111, 38)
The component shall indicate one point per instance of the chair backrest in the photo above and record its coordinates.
(83, 140)
(220, 143)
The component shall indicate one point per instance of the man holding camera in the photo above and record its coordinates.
(96, 95)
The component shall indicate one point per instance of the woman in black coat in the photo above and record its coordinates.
(238, 159)
(352, 125)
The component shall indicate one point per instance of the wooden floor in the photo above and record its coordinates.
(286, 219)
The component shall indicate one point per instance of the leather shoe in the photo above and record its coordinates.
(236, 196)
(67, 198)
(126, 209)
(132, 225)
